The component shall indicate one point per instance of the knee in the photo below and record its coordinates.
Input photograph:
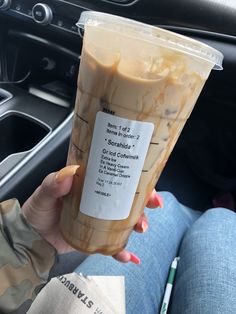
(212, 235)
(220, 213)
(219, 221)
(207, 264)
(168, 198)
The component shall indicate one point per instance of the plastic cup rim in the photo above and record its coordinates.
(163, 37)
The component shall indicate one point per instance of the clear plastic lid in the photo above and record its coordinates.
(155, 35)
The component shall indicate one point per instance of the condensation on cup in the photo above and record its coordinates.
(137, 86)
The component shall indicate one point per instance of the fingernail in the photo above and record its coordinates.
(66, 172)
(144, 226)
(158, 200)
(134, 259)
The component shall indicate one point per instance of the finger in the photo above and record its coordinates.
(42, 207)
(155, 200)
(54, 186)
(126, 257)
(59, 184)
(66, 172)
(142, 224)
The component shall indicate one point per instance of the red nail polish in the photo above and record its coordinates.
(144, 226)
(134, 259)
(159, 200)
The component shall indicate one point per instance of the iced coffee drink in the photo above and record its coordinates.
(137, 86)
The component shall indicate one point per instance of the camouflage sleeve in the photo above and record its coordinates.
(25, 258)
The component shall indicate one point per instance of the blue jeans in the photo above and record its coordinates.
(206, 275)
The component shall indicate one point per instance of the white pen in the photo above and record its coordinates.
(169, 286)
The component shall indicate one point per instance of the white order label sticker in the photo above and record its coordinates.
(117, 154)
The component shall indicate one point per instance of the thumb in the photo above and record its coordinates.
(44, 204)
(54, 186)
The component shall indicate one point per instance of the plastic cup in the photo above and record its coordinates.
(137, 86)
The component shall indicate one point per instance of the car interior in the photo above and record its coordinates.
(40, 47)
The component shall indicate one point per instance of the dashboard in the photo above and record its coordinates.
(216, 16)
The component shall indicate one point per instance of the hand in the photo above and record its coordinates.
(43, 209)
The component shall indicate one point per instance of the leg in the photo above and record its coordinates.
(206, 276)
(157, 248)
